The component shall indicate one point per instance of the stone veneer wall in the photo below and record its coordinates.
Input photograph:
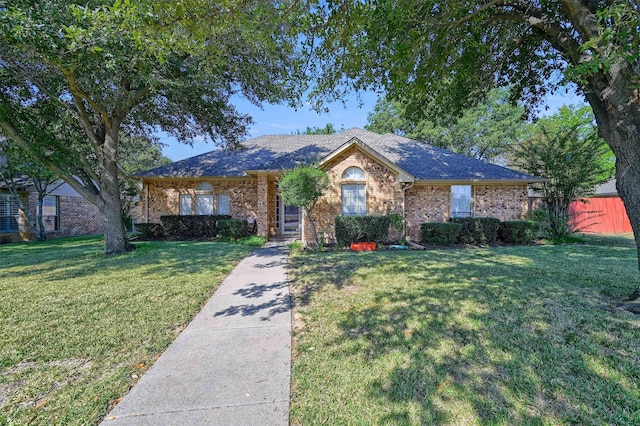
(384, 193)
(164, 196)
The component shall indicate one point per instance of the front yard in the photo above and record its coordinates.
(79, 328)
(504, 335)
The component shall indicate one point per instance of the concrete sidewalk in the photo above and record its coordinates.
(231, 365)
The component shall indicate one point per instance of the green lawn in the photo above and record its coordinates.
(496, 336)
(79, 328)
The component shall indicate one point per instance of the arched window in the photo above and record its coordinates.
(353, 173)
(204, 199)
(354, 195)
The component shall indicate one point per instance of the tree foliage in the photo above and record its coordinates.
(105, 68)
(566, 150)
(485, 131)
(328, 129)
(442, 56)
(302, 187)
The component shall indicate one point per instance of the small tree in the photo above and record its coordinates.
(566, 150)
(302, 187)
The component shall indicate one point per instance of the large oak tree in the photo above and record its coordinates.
(104, 68)
(445, 55)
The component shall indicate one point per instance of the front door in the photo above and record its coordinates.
(291, 220)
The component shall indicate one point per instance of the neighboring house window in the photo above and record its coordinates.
(461, 201)
(354, 195)
(9, 211)
(204, 199)
(185, 204)
(50, 212)
(223, 204)
(277, 211)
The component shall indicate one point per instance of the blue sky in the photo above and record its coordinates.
(279, 119)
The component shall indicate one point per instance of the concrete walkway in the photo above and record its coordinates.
(231, 365)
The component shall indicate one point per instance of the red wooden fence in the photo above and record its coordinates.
(599, 215)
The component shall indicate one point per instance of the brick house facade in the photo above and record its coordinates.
(65, 214)
(393, 175)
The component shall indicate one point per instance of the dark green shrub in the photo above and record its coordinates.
(234, 228)
(518, 231)
(356, 229)
(150, 231)
(477, 230)
(440, 233)
(191, 227)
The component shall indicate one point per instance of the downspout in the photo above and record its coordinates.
(146, 202)
(405, 187)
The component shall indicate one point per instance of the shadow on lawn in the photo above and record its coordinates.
(61, 260)
(516, 335)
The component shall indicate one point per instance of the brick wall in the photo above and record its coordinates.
(383, 191)
(76, 216)
(163, 196)
(426, 203)
(505, 202)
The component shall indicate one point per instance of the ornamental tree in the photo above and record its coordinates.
(99, 69)
(441, 56)
(566, 150)
(302, 187)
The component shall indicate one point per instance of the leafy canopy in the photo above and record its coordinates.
(485, 131)
(303, 186)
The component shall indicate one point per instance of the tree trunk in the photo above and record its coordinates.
(109, 202)
(314, 232)
(615, 106)
(42, 232)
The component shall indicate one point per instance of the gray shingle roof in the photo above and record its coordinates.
(281, 152)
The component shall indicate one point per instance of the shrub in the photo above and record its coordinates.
(150, 231)
(440, 233)
(234, 228)
(355, 229)
(477, 230)
(191, 227)
(518, 231)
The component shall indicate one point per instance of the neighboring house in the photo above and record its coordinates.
(603, 212)
(65, 212)
(370, 174)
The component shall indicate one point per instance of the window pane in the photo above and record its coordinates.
(204, 204)
(353, 173)
(50, 212)
(354, 200)
(223, 204)
(185, 204)
(460, 200)
(205, 186)
(9, 210)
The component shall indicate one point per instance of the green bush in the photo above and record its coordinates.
(234, 228)
(477, 230)
(440, 233)
(150, 231)
(191, 227)
(356, 229)
(518, 231)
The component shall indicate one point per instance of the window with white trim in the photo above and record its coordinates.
(354, 193)
(185, 205)
(9, 211)
(461, 201)
(223, 204)
(204, 199)
(50, 212)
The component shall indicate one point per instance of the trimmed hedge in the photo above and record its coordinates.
(518, 231)
(234, 228)
(191, 227)
(356, 229)
(150, 231)
(440, 233)
(477, 230)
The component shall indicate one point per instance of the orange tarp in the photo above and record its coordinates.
(599, 215)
